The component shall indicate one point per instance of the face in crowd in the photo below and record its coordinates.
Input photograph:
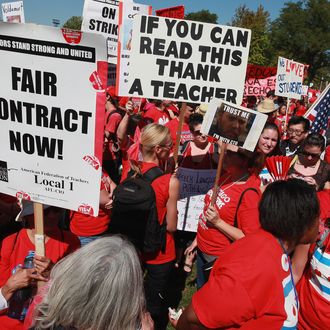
(297, 133)
(309, 155)
(230, 126)
(268, 140)
(199, 138)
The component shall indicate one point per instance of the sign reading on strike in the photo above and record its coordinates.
(101, 16)
(289, 78)
(187, 61)
(51, 122)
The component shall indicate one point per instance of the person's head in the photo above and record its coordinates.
(195, 125)
(271, 94)
(100, 286)
(190, 109)
(282, 109)
(311, 149)
(268, 139)
(156, 140)
(229, 125)
(298, 127)
(290, 210)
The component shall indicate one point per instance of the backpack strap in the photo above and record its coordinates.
(320, 242)
(240, 202)
(153, 174)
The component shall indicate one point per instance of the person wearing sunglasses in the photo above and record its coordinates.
(308, 166)
(297, 131)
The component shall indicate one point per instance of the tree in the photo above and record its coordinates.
(73, 22)
(202, 16)
(302, 33)
(259, 23)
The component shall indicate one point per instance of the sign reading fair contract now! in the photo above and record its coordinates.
(51, 115)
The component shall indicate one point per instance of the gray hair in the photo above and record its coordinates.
(99, 287)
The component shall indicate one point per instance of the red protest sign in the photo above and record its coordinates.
(260, 72)
(172, 12)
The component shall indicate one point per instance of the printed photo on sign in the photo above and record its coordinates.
(233, 124)
(51, 123)
(182, 60)
(13, 12)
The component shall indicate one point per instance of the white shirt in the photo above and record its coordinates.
(3, 302)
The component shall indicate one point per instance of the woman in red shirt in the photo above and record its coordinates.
(217, 227)
(155, 147)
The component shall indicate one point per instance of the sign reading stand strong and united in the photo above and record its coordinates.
(51, 115)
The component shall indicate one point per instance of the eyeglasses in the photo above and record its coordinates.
(295, 131)
(308, 154)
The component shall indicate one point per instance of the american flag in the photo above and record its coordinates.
(319, 113)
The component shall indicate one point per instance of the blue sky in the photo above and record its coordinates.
(43, 11)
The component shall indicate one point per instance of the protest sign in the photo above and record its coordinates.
(260, 72)
(51, 122)
(233, 124)
(259, 87)
(127, 12)
(172, 12)
(194, 184)
(304, 90)
(189, 61)
(13, 12)
(101, 16)
(289, 78)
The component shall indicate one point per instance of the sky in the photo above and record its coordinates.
(44, 11)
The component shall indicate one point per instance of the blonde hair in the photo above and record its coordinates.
(152, 135)
(99, 287)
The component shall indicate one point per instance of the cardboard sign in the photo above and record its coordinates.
(259, 87)
(289, 79)
(51, 122)
(233, 124)
(189, 61)
(260, 72)
(101, 17)
(13, 12)
(172, 12)
(194, 184)
(127, 12)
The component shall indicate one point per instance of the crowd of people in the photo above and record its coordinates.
(262, 247)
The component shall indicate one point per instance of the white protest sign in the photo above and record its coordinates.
(13, 12)
(51, 115)
(189, 61)
(289, 78)
(194, 184)
(101, 16)
(127, 12)
(233, 124)
(304, 90)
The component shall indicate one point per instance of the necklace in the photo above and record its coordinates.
(238, 180)
(291, 274)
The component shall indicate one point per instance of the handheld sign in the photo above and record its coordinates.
(101, 17)
(51, 115)
(188, 61)
(289, 78)
(13, 12)
(233, 124)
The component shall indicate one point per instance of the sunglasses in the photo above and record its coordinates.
(308, 154)
(197, 133)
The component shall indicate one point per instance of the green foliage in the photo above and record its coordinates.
(258, 22)
(73, 22)
(302, 33)
(202, 16)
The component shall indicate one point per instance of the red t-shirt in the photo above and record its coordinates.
(173, 126)
(154, 115)
(14, 250)
(314, 291)
(213, 242)
(300, 111)
(87, 225)
(161, 188)
(250, 287)
(327, 154)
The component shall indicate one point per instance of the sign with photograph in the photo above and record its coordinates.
(51, 122)
(233, 124)
(182, 60)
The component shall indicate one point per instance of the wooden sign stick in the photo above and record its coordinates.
(178, 134)
(218, 174)
(39, 236)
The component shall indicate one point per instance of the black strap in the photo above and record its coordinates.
(320, 242)
(152, 174)
(240, 202)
